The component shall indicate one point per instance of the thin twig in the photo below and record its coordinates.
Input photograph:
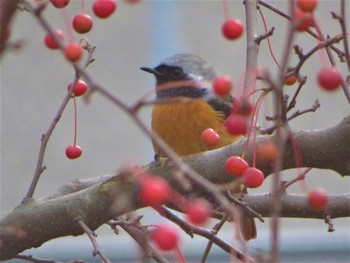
(214, 230)
(292, 102)
(342, 19)
(92, 236)
(45, 137)
(297, 113)
(300, 176)
(320, 36)
(263, 36)
(138, 232)
(188, 228)
(322, 44)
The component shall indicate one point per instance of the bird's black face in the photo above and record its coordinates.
(166, 74)
(184, 75)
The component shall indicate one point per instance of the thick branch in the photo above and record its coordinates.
(324, 149)
(36, 221)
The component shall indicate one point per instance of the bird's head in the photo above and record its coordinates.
(185, 75)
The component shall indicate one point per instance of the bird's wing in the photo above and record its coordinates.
(223, 105)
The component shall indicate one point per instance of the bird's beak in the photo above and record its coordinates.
(152, 71)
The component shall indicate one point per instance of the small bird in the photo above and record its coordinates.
(185, 106)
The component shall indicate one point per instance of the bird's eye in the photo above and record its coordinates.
(176, 72)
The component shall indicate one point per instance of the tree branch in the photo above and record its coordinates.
(36, 221)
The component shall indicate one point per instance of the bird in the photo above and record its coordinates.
(185, 106)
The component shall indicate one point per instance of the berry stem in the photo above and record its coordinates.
(252, 124)
(67, 24)
(75, 121)
(320, 38)
(180, 255)
(83, 6)
(255, 121)
(268, 38)
(226, 9)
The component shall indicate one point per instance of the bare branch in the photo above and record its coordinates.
(92, 236)
(188, 228)
(35, 222)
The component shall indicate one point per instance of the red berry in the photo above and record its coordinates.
(242, 106)
(73, 151)
(198, 211)
(154, 191)
(50, 42)
(73, 51)
(266, 152)
(59, 3)
(307, 5)
(235, 166)
(303, 20)
(166, 237)
(222, 85)
(210, 137)
(79, 89)
(253, 177)
(236, 125)
(104, 8)
(232, 28)
(318, 199)
(329, 78)
(82, 23)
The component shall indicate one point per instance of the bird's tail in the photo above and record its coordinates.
(248, 228)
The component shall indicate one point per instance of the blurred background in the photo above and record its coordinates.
(34, 82)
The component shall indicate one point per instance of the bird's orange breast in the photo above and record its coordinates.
(181, 123)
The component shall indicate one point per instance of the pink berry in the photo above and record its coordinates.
(329, 78)
(104, 8)
(154, 191)
(50, 42)
(253, 177)
(79, 89)
(210, 137)
(59, 3)
(82, 23)
(236, 125)
(73, 151)
(198, 211)
(166, 237)
(232, 28)
(222, 85)
(318, 199)
(235, 166)
(73, 51)
(303, 20)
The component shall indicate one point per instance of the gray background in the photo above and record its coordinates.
(34, 80)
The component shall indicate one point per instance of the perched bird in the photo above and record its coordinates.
(186, 106)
